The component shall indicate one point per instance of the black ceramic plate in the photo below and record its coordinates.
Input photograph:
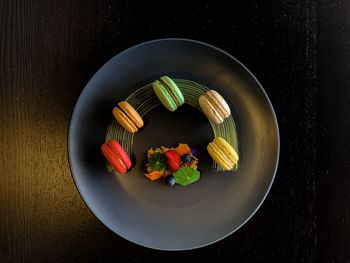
(152, 214)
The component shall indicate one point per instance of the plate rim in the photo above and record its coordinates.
(217, 49)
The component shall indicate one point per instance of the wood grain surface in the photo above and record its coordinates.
(298, 50)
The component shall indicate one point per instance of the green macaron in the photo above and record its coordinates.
(168, 93)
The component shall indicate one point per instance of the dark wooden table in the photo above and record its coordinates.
(300, 52)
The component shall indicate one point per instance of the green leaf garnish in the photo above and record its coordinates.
(186, 175)
(111, 169)
(157, 162)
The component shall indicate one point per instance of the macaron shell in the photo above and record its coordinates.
(209, 110)
(120, 152)
(227, 148)
(113, 160)
(171, 93)
(124, 121)
(163, 95)
(174, 89)
(218, 156)
(219, 103)
(131, 113)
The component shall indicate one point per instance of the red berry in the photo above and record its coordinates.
(173, 155)
(172, 165)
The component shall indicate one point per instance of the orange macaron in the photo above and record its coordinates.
(127, 117)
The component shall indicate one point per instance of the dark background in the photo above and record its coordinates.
(298, 50)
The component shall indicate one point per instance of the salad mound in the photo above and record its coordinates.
(177, 165)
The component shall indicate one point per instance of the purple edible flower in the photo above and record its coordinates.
(194, 151)
(144, 165)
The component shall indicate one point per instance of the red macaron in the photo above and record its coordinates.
(116, 156)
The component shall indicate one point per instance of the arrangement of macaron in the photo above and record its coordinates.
(178, 165)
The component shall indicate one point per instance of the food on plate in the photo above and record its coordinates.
(168, 93)
(128, 117)
(178, 165)
(214, 106)
(223, 153)
(116, 156)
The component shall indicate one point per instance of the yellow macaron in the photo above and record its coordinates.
(214, 106)
(223, 153)
(127, 117)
